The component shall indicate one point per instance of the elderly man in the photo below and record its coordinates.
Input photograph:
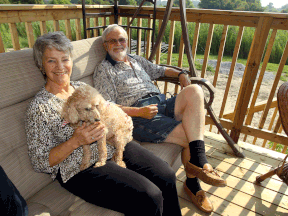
(127, 80)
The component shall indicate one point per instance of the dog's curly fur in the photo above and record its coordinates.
(87, 105)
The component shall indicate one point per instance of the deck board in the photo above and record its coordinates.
(241, 196)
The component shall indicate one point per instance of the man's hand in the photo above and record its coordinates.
(184, 80)
(149, 111)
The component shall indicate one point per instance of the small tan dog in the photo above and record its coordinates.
(87, 105)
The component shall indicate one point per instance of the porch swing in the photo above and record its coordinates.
(192, 69)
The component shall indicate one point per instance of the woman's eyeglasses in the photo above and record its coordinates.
(114, 41)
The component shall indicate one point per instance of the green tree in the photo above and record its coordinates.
(5, 2)
(246, 5)
(189, 4)
(284, 11)
(27, 1)
(59, 2)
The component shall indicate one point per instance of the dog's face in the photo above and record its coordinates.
(83, 106)
(88, 110)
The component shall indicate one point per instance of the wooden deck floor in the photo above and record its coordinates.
(241, 196)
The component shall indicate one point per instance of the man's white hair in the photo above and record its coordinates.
(110, 28)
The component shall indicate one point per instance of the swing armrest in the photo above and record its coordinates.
(194, 80)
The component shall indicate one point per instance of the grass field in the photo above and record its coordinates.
(272, 67)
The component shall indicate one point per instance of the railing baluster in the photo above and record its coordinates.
(111, 20)
(220, 53)
(232, 68)
(129, 32)
(78, 29)
(170, 50)
(29, 32)
(43, 28)
(139, 36)
(158, 52)
(207, 49)
(14, 36)
(279, 131)
(88, 25)
(259, 82)
(171, 42)
(180, 60)
(271, 124)
(56, 25)
(68, 29)
(251, 70)
(2, 49)
(96, 23)
(220, 56)
(149, 37)
(273, 89)
(195, 39)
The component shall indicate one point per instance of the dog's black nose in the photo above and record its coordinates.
(97, 119)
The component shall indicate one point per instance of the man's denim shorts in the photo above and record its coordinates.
(155, 130)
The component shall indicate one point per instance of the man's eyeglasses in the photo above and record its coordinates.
(114, 41)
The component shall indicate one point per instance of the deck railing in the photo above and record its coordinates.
(237, 121)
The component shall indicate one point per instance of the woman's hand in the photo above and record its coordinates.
(184, 80)
(149, 111)
(85, 135)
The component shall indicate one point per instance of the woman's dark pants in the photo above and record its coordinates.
(146, 187)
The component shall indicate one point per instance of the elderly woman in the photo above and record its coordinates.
(148, 184)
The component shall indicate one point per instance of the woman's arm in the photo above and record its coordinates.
(82, 136)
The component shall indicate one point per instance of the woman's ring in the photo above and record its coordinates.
(92, 138)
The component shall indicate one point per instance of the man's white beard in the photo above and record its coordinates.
(119, 55)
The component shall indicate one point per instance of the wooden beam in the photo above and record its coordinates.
(259, 82)
(260, 106)
(252, 131)
(14, 36)
(250, 73)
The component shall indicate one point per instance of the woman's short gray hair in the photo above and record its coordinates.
(111, 28)
(50, 40)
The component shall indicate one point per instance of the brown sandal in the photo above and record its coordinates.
(207, 174)
(200, 199)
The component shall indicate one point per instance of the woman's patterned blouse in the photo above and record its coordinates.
(46, 129)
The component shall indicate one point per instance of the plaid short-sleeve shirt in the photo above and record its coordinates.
(123, 84)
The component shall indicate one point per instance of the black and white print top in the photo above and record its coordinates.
(124, 85)
(45, 129)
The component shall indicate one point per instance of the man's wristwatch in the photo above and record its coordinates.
(182, 72)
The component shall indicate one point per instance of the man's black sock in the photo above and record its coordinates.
(193, 185)
(197, 152)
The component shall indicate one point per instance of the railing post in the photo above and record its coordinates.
(251, 70)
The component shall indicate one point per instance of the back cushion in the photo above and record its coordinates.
(20, 80)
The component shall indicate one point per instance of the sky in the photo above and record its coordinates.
(277, 3)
